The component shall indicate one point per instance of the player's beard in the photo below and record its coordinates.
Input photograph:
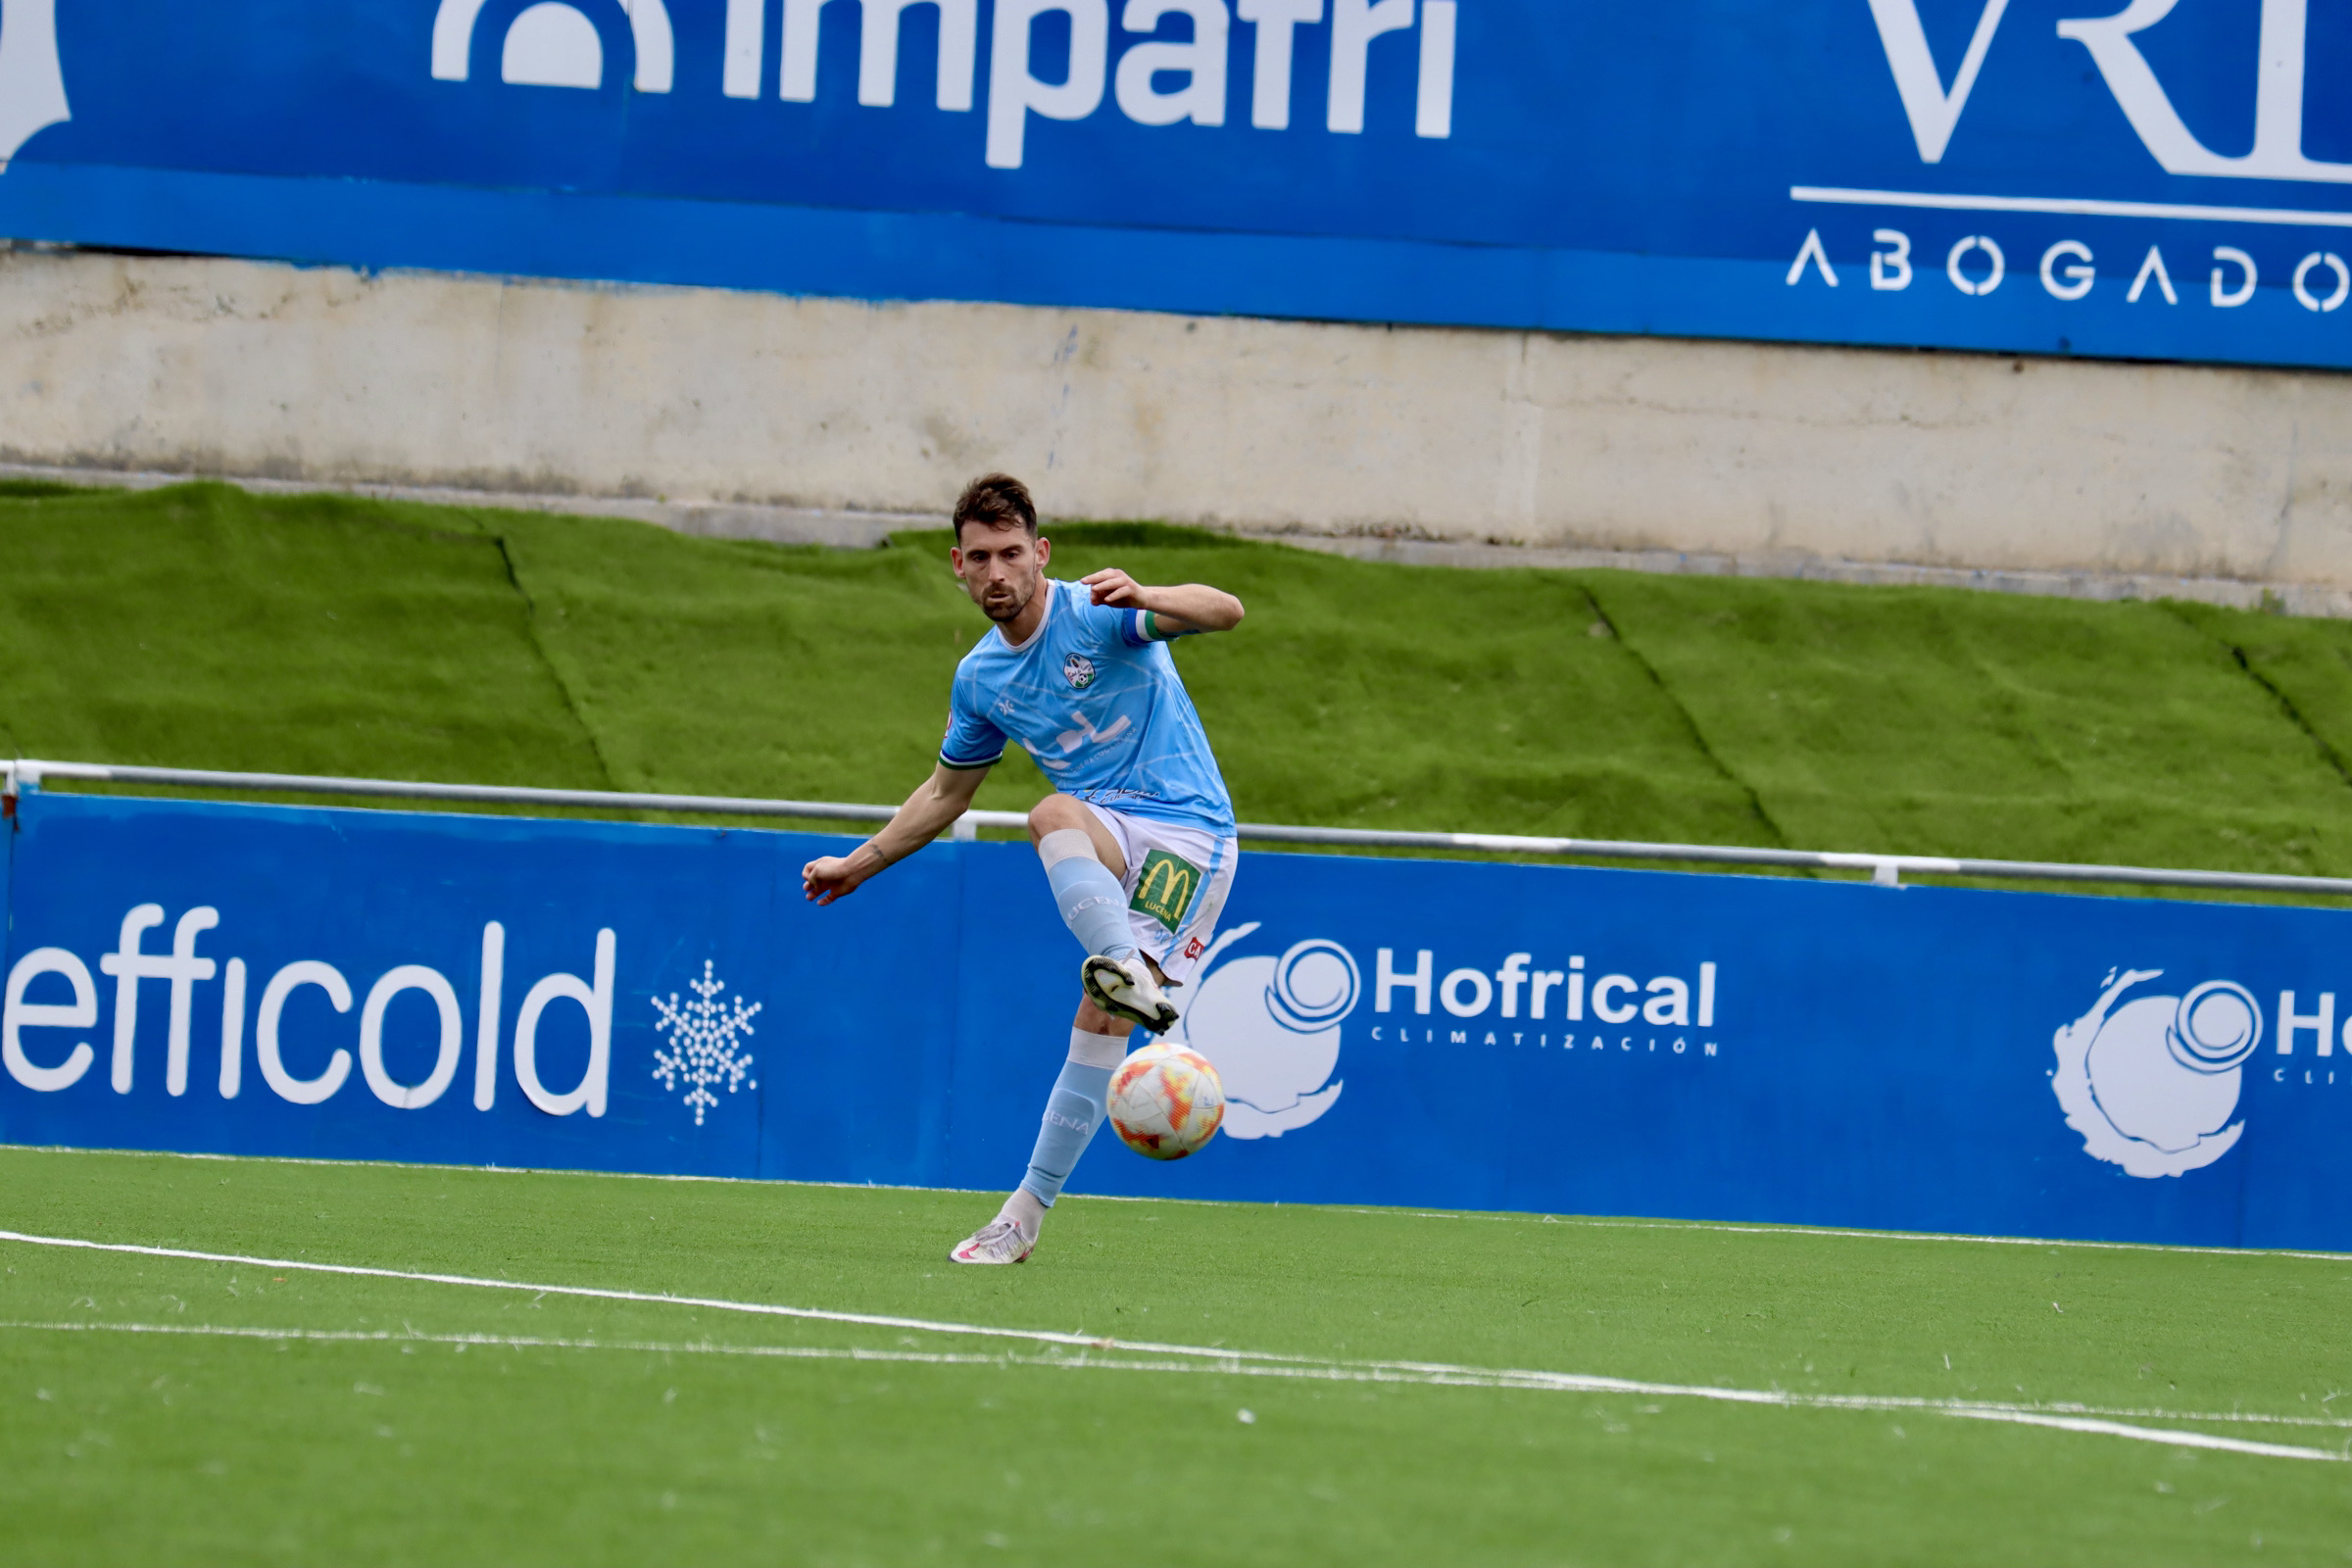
(1015, 600)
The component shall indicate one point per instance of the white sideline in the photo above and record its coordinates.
(1340, 1371)
(1370, 1372)
(1188, 1357)
(2178, 1439)
(649, 1298)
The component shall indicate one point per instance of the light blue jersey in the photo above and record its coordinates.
(1095, 701)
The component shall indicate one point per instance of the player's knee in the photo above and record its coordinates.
(1054, 814)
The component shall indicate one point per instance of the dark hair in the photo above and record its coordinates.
(996, 501)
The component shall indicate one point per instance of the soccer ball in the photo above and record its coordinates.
(1166, 1102)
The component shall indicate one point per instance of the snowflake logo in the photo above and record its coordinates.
(704, 1042)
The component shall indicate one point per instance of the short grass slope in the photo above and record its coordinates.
(203, 628)
(1945, 720)
(201, 625)
(1184, 1384)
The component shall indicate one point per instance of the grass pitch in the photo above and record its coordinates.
(194, 1411)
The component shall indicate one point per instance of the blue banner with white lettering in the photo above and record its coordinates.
(383, 985)
(2168, 179)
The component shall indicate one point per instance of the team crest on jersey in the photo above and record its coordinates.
(1078, 670)
(1165, 889)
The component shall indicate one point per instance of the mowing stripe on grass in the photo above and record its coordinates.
(1726, 1228)
(1491, 1216)
(1941, 1236)
(1192, 1357)
(2087, 1421)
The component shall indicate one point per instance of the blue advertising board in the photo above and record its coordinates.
(2168, 179)
(382, 985)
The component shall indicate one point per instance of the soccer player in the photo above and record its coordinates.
(1136, 840)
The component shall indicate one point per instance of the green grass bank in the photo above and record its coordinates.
(202, 626)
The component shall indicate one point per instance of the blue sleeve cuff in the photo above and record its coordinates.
(1131, 628)
(964, 766)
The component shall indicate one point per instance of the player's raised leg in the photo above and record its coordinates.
(1083, 864)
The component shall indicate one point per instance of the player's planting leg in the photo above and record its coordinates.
(1073, 1111)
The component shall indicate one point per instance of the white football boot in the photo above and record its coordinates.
(1125, 989)
(1000, 1240)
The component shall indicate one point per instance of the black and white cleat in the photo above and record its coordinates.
(1125, 989)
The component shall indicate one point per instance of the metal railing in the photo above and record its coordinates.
(1887, 870)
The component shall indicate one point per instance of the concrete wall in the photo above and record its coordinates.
(1724, 449)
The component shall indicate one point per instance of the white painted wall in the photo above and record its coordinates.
(1631, 444)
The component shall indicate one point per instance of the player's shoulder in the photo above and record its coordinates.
(1105, 626)
(1072, 600)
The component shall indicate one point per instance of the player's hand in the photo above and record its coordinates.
(829, 878)
(1111, 586)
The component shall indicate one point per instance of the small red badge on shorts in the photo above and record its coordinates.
(1194, 948)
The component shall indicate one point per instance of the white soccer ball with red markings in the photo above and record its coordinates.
(1166, 1101)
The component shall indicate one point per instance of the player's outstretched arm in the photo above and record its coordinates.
(1178, 612)
(928, 813)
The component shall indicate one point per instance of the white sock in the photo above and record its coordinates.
(1024, 1210)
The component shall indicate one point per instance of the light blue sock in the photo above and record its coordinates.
(1073, 1111)
(1093, 903)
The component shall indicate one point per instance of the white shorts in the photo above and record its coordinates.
(1177, 879)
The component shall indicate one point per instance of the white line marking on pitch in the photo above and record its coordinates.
(2178, 1439)
(1326, 1372)
(655, 1299)
(1247, 1363)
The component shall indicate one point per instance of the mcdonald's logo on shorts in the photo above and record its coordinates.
(1165, 889)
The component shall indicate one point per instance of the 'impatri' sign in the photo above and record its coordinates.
(2167, 178)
